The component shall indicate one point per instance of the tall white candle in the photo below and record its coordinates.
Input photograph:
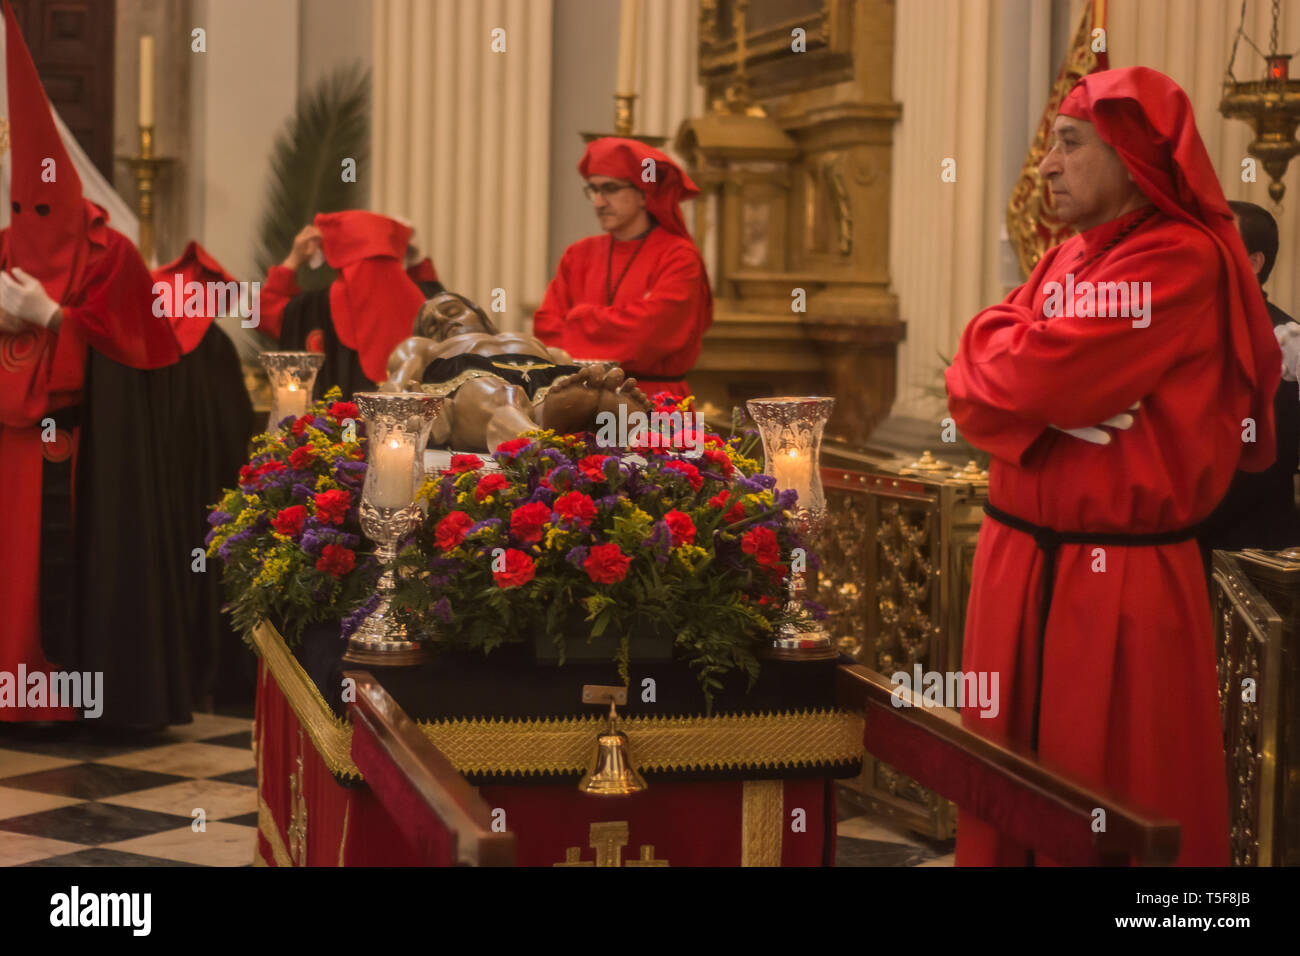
(292, 400)
(394, 464)
(627, 48)
(793, 469)
(146, 80)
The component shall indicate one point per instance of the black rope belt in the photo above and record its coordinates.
(1049, 541)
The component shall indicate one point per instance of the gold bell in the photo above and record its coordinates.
(611, 773)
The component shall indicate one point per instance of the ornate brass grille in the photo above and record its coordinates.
(896, 555)
(1251, 688)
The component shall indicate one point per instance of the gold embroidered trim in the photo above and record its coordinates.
(331, 735)
(762, 817)
(806, 738)
(343, 839)
(266, 823)
(444, 389)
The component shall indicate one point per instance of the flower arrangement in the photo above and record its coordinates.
(640, 536)
(288, 534)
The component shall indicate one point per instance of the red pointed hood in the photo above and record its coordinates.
(373, 301)
(195, 264)
(50, 229)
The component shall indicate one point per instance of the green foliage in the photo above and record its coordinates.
(330, 123)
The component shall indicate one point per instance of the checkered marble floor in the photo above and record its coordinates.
(865, 840)
(72, 797)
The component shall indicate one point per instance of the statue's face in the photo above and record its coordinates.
(446, 315)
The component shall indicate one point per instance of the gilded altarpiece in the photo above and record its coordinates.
(793, 159)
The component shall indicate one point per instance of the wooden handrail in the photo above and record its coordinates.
(438, 785)
(988, 776)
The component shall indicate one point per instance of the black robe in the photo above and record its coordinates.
(1259, 509)
(119, 594)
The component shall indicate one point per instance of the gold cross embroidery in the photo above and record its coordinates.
(608, 839)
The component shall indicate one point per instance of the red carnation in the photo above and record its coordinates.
(335, 560)
(519, 569)
(691, 473)
(290, 520)
(735, 513)
(343, 410)
(300, 425)
(593, 466)
(681, 526)
(513, 445)
(332, 506)
(490, 484)
(719, 459)
(302, 458)
(450, 531)
(576, 506)
(247, 475)
(271, 467)
(463, 463)
(606, 564)
(526, 521)
(719, 500)
(762, 544)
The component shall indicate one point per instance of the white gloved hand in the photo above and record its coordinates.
(1288, 337)
(1095, 434)
(23, 297)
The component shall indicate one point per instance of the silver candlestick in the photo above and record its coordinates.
(791, 429)
(397, 429)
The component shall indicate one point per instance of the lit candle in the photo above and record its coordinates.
(292, 400)
(626, 84)
(394, 464)
(793, 469)
(146, 80)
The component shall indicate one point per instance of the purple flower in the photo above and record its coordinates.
(219, 517)
(301, 492)
(442, 610)
(312, 543)
(493, 523)
(661, 541)
(756, 483)
(786, 500)
(358, 617)
(577, 556)
(818, 611)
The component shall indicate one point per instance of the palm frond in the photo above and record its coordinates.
(330, 123)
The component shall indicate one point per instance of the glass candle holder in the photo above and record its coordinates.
(397, 431)
(791, 429)
(292, 376)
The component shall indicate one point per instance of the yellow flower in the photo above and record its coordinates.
(325, 483)
(555, 538)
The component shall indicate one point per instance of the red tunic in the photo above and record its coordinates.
(41, 372)
(1129, 697)
(658, 316)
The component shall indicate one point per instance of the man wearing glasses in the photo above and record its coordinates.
(639, 296)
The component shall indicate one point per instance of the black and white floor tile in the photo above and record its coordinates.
(72, 797)
(868, 840)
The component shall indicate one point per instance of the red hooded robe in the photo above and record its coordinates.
(655, 322)
(1128, 684)
(105, 291)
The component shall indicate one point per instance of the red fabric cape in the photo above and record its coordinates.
(373, 301)
(1147, 119)
(195, 264)
(624, 159)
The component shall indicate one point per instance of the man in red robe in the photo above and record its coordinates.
(640, 297)
(75, 296)
(1114, 430)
